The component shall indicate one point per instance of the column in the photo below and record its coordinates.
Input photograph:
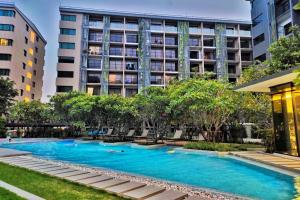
(221, 51)
(183, 50)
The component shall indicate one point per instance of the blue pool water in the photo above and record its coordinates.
(196, 169)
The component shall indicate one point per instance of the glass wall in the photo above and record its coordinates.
(286, 114)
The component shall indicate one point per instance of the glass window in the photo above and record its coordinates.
(118, 24)
(95, 50)
(156, 80)
(156, 26)
(194, 42)
(71, 18)
(5, 57)
(66, 45)
(170, 28)
(194, 29)
(23, 79)
(67, 31)
(95, 23)
(131, 52)
(131, 38)
(115, 51)
(21, 92)
(4, 72)
(7, 13)
(132, 26)
(93, 90)
(95, 36)
(7, 27)
(156, 66)
(259, 39)
(6, 42)
(65, 74)
(25, 53)
(115, 64)
(131, 65)
(156, 53)
(257, 20)
(157, 39)
(93, 77)
(115, 78)
(116, 38)
(171, 41)
(24, 66)
(171, 66)
(130, 79)
(94, 63)
(61, 88)
(170, 53)
(208, 42)
(65, 59)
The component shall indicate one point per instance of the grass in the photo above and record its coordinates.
(48, 187)
(223, 147)
(7, 195)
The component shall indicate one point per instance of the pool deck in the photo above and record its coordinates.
(10, 152)
(285, 162)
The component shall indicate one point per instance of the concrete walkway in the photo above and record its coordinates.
(124, 188)
(11, 152)
(280, 161)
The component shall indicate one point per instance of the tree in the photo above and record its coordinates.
(297, 81)
(205, 104)
(285, 52)
(7, 95)
(255, 71)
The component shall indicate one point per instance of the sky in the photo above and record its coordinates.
(45, 15)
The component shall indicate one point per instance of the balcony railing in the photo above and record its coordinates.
(115, 25)
(96, 24)
(171, 29)
(133, 27)
(195, 30)
(208, 31)
(245, 33)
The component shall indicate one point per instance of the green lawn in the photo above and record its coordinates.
(48, 187)
(222, 147)
(7, 195)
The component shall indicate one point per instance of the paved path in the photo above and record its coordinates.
(10, 152)
(280, 161)
(124, 188)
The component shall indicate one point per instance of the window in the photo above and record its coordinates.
(116, 38)
(246, 56)
(170, 54)
(115, 78)
(26, 40)
(25, 53)
(32, 36)
(95, 36)
(156, 39)
(130, 79)
(156, 53)
(24, 66)
(259, 39)
(36, 50)
(115, 65)
(27, 88)
(4, 72)
(131, 65)
(131, 38)
(7, 13)
(66, 45)
(93, 77)
(37, 38)
(64, 59)
(208, 42)
(231, 69)
(131, 52)
(27, 28)
(7, 27)
(29, 63)
(21, 92)
(156, 80)
(231, 43)
(115, 51)
(29, 75)
(30, 51)
(6, 42)
(230, 56)
(246, 43)
(35, 60)
(257, 20)
(282, 7)
(61, 88)
(67, 31)
(194, 55)
(94, 63)
(261, 58)
(95, 50)
(156, 26)
(33, 84)
(23, 79)
(32, 96)
(156, 66)
(71, 18)
(194, 42)
(287, 28)
(171, 41)
(34, 72)
(5, 57)
(65, 74)
(171, 66)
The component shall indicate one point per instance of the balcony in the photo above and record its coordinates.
(231, 32)
(116, 38)
(93, 77)
(156, 66)
(157, 40)
(245, 33)
(95, 51)
(132, 66)
(131, 53)
(95, 37)
(95, 24)
(116, 25)
(171, 67)
(113, 51)
(194, 42)
(156, 28)
(156, 80)
(94, 64)
(115, 79)
(208, 31)
(171, 29)
(132, 27)
(131, 79)
(171, 54)
(170, 41)
(195, 30)
(157, 53)
(209, 56)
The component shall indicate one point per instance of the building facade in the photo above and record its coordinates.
(271, 19)
(22, 51)
(103, 52)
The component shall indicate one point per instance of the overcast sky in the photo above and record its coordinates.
(45, 15)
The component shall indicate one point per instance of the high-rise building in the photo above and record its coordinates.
(104, 52)
(22, 51)
(271, 19)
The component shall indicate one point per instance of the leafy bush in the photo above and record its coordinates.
(2, 127)
(209, 146)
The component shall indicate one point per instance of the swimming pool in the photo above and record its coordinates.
(196, 169)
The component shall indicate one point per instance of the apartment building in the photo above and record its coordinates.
(271, 19)
(104, 52)
(22, 51)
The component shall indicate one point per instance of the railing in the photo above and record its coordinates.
(245, 33)
(116, 25)
(95, 24)
(134, 27)
(208, 31)
(194, 30)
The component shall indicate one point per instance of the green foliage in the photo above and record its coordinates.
(297, 81)
(2, 127)
(222, 147)
(7, 195)
(49, 187)
(7, 95)
(253, 72)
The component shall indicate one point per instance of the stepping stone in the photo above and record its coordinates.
(50, 169)
(170, 195)
(126, 187)
(67, 174)
(44, 166)
(94, 179)
(108, 183)
(81, 177)
(144, 192)
(60, 171)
